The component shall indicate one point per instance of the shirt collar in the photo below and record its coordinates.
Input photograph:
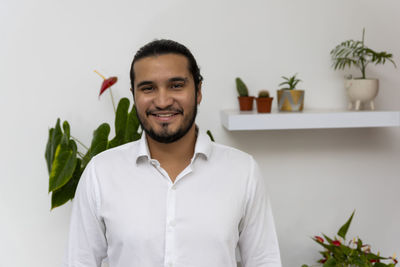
(203, 146)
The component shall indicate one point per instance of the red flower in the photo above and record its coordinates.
(322, 260)
(107, 83)
(336, 243)
(319, 239)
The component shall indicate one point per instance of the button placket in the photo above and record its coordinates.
(170, 225)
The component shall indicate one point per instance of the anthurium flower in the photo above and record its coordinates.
(336, 243)
(107, 83)
(319, 239)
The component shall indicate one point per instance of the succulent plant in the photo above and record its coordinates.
(241, 87)
(291, 82)
(263, 93)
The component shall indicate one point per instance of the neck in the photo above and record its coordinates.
(181, 150)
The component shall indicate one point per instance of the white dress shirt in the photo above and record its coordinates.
(127, 209)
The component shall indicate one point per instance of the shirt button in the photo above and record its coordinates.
(172, 223)
(170, 264)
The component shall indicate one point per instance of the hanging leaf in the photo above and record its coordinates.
(99, 143)
(64, 161)
(62, 195)
(54, 139)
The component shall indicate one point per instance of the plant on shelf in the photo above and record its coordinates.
(66, 163)
(355, 53)
(264, 102)
(290, 98)
(245, 101)
(337, 253)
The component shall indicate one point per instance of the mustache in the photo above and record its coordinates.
(168, 109)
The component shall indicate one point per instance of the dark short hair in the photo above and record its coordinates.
(162, 47)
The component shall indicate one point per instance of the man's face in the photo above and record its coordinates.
(165, 97)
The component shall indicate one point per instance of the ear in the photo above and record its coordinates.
(199, 94)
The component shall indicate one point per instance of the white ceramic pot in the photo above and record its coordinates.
(361, 92)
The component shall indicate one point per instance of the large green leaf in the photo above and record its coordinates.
(343, 230)
(331, 262)
(64, 161)
(55, 135)
(62, 195)
(121, 117)
(126, 124)
(132, 126)
(99, 143)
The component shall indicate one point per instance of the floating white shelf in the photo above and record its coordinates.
(235, 120)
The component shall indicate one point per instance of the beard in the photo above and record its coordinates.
(166, 136)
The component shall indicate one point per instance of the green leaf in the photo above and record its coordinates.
(99, 143)
(120, 123)
(343, 230)
(331, 262)
(54, 140)
(62, 195)
(126, 125)
(210, 135)
(132, 126)
(63, 164)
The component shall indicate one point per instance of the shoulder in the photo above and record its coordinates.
(231, 153)
(117, 154)
(232, 157)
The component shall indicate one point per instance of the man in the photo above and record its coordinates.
(173, 198)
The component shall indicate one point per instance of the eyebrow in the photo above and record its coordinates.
(173, 79)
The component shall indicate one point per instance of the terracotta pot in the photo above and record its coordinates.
(290, 100)
(264, 104)
(246, 102)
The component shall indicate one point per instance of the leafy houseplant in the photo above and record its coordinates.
(337, 254)
(245, 101)
(264, 102)
(290, 98)
(355, 53)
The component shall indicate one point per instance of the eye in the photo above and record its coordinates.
(146, 89)
(177, 85)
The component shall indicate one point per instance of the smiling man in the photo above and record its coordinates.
(173, 198)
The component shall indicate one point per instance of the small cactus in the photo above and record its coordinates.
(241, 87)
(263, 93)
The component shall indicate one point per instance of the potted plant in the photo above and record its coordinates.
(264, 102)
(290, 98)
(245, 101)
(360, 90)
(337, 252)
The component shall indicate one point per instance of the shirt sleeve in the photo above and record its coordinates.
(258, 243)
(87, 244)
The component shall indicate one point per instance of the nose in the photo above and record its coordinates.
(163, 98)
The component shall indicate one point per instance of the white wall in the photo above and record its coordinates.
(49, 49)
